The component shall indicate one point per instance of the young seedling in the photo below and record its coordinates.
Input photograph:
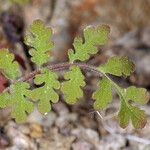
(20, 97)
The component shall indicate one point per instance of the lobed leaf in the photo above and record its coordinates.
(93, 36)
(38, 37)
(103, 95)
(139, 95)
(128, 111)
(18, 101)
(45, 93)
(118, 66)
(9, 67)
(72, 87)
(136, 115)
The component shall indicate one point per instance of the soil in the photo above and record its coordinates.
(78, 127)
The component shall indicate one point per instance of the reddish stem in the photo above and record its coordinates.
(58, 67)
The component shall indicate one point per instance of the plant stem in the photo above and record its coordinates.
(58, 67)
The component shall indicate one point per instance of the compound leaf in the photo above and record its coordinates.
(72, 87)
(9, 67)
(128, 111)
(103, 95)
(93, 36)
(18, 101)
(118, 66)
(38, 37)
(45, 93)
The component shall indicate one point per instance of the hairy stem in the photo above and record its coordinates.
(58, 67)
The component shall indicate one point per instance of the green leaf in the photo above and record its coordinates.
(103, 95)
(18, 101)
(72, 87)
(124, 115)
(93, 36)
(118, 66)
(136, 115)
(45, 93)
(4, 97)
(139, 95)
(38, 37)
(128, 111)
(9, 67)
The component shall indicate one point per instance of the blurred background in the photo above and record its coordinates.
(78, 127)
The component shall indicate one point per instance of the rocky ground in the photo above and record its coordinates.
(80, 127)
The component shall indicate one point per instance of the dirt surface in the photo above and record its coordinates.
(78, 127)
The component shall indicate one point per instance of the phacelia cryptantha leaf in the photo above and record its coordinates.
(38, 38)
